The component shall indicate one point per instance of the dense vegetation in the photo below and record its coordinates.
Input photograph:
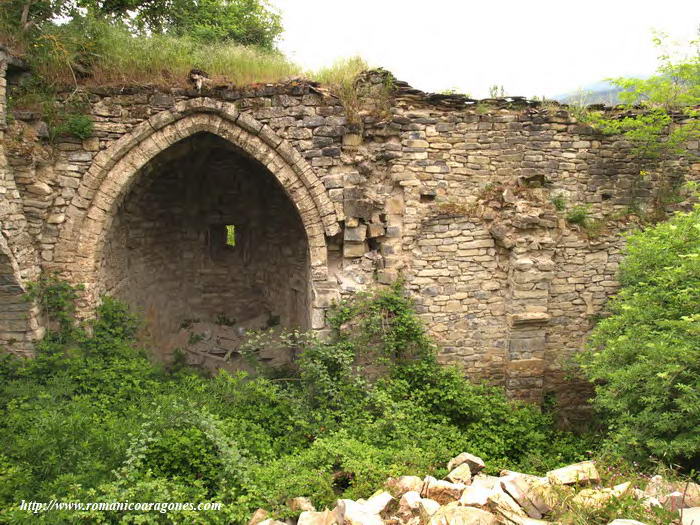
(660, 117)
(92, 419)
(246, 22)
(78, 43)
(645, 357)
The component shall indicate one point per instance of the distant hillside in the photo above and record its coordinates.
(598, 93)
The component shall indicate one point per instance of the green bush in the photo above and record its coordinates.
(559, 202)
(645, 357)
(79, 126)
(578, 215)
(91, 419)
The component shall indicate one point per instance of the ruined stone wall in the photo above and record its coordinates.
(19, 323)
(454, 197)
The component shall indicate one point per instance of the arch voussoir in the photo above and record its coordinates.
(115, 169)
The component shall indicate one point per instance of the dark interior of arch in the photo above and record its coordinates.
(168, 249)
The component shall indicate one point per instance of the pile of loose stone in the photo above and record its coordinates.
(469, 497)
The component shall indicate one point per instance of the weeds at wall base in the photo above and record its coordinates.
(324, 432)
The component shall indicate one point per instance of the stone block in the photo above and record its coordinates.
(458, 515)
(460, 474)
(525, 368)
(354, 249)
(356, 234)
(402, 484)
(582, 472)
(375, 230)
(441, 491)
(475, 463)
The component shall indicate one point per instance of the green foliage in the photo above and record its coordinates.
(56, 300)
(496, 91)
(65, 119)
(91, 419)
(79, 126)
(645, 357)
(559, 202)
(571, 512)
(578, 214)
(661, 116)
(223, 320)
(98, 52)
(245, 22)
(195, 338)
(230, 235)
(92, 49)
(342, 78)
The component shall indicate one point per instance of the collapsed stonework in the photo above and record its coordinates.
(454, 196)
(469, 496)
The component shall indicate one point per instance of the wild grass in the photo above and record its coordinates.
(341, 76)
(97, 53)
(104, 54)
(614, 471)
(88, 52)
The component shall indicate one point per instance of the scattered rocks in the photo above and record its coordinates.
(442, 491)
(468, 497)
(303, 504)
(598, 498)
(461, 474)
(475, 496)
(317, 518)
(427, 507)
(272, 522)
(348, 512)
(673, 496)
(454, 514)
(258, 516)
(500, 502)
(572, 474)
(378, 503)
(475, 463)
(403, 484)
(528, 492)
(409, 503)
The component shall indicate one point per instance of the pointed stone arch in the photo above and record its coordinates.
(115, 169)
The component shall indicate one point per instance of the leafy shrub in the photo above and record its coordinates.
(559, 202)
(578, 215)
(79, 126)
(98, 52)
(645, 357)
(91, 419)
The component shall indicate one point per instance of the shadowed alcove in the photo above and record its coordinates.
(206, 233)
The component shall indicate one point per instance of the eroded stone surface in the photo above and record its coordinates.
(456, 198)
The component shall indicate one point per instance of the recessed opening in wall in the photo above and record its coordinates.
(207, 232)
(221, 237)
(231, 235)
(607, 196)
(427, 197)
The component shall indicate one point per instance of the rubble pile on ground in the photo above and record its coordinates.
(467, 496)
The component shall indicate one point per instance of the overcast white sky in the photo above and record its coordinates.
(531, 47)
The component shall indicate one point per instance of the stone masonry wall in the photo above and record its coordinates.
(166, 251)
(452, 195)
(19, 323)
